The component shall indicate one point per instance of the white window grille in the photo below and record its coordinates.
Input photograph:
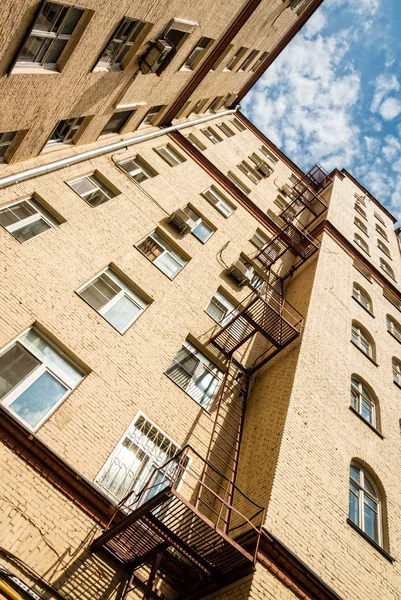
(250, 172)
(35, 378)
(386, 268)
(201, 230)
(162, 254)
(361, 243)
(364, 503)
(362, 402)
(383, 248)
(382, 232)
(396, 371)
(220, 308)
(26, 219)
(361, 340)
(198, 376)
(361, 225)
(142, 449)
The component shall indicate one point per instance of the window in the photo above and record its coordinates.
(50, 35)
(123, 40)
(143, 448)
(383, 248)
(361, 243)
(170, 155)
(201, 229)
(360, 199)
(138, 168)
(392, 298)
(379, 218)
(151, 116)
(361, 401)
(222, 57)
(117, 121)
(272, 157)
(237, 123)
(381, 231)
(198, 376)
(198, 52)
(219, 201)
(362, 297)
(178, 31)
(35, 378)
(361, 338)
(226, 129)
(394, 328)
(221, 309)
(215, 104)
(259, 62)
(6, 139)
(212, 135)
(260, 166)
(361, 225)
(247, 62)
(116, 301)
(386, 268)
(360, 210)
(161, 253)
(26, 219)
(198, 106)
(259, 238)
(396, 371)
(93, 189)
(65, 131)
(364, 503)
(250, 172)
(238, 183)
(192, 139)
(236, 57)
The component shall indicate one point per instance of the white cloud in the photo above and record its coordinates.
(384, 84)
(390, 108)
(316, 24)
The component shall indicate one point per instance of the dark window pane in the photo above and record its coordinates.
(117, 121)
(101, 291)
(72, 21)
(40, 397)
(29, 231)
(34, 49)
(49, 17)
(55, 52)
(175, 36)
(15, 365)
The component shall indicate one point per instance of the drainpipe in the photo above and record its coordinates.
(8, 591)
(78, 158)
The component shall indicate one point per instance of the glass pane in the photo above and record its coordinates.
(353, 508)
(70, 374)
(117, 121)
(72, 21)
(40, 397)
(216, 310)
(26, 232)
(168, 265)
(96, 198)
(122, 313)
(15, 365)
(366, 411)
(55, 52)
(34, 47)
(370, 523)
(110, 52)
(83, 186)
(355, 473)
(202, 231)
(225, 209)
(122, 469)
(151, 248)
(100, 291)
(203, 388)
(48, 17)
(175, 36)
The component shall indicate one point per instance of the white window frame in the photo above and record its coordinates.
(219, 201)
(238, 183)
(226, 129)
(361, 226)
(211, 135)
(393, 327)
(121, 44)
(204, 363)
(125, 290)
(92, 178)
(259, 238)
(6, 143)
(269, 154)
(151, 116)
(198, 221)
(167, 250)
(197, 53)
(149, 462)
(360, 396)
(192, 139)
(42, 368)
(361, 502)
(361, 340)
(359, 241)
(386, 268)
(250, 172)
(170, 155)
(383, 248)
(381, 231)
(396, 366)
(362, 297)
(44, 216)
(142, 171)
(219, 298)
(379, 218)
(360, 210)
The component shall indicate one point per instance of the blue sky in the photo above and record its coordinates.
(333, 96)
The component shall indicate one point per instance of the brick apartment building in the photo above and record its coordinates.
(200, 359)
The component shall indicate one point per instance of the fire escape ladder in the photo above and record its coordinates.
(306, 195)
(225, 441)
(266, 313)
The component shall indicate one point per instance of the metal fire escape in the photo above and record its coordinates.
(190, 526)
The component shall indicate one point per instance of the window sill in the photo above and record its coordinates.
(394, 336)
(364, 308)
(371, 542)
(33, 70)
(366, 422)
(365, 355)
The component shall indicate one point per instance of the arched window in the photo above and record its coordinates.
(362, 339)
(396, 371)
(383, 248)
(360, 210)
(360, 199)
(378, 217)
(361, 400)
(386, 268)
(361, 242)
(362, 297)
(365, 506)
(394, 327)
(381, 231)
(359, 223)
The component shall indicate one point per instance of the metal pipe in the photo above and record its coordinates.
(77, 158)
(8, 591)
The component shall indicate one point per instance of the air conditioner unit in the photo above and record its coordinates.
(154, 56)
(264, 169)
(243, 274)
(182, 221)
